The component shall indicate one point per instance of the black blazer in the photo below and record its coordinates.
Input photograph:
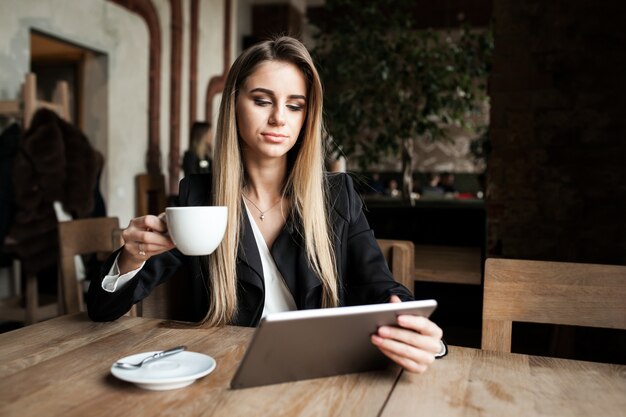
(363, 273)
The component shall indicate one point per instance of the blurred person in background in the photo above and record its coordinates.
(198, 158)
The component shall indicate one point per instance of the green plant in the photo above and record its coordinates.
(388, 82)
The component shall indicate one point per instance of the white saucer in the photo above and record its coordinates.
(172, 372)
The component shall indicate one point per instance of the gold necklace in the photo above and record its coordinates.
(262, 216)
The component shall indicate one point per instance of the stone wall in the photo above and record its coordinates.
(557, 171)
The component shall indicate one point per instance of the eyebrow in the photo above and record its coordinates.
(271, 93)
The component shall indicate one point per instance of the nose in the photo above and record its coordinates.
(277, 118)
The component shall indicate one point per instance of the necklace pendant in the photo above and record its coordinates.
(262, 217)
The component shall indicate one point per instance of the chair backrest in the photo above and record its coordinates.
(26, 106)
(80, 237)
(400, 256)
(150, 189)
(573, 294)
(60, 103)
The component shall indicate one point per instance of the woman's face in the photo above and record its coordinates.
(271, 108)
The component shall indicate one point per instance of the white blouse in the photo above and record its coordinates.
(277, 295)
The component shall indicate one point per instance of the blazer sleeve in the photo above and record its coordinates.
(106, 306)
(366, 276)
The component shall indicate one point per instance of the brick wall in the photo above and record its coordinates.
(557, 171)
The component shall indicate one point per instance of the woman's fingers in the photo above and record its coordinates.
(405, 362)
(150, 237)
(419, 324)
(412, 344)
(148, 222)
(156, 223)
(153, 248)
(411, 337)
(395, 299)
(145, 237)
(144, 228)
(402, 349)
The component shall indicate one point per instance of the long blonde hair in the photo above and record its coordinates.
(305, 185)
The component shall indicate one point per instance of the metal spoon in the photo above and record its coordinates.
(158, 355)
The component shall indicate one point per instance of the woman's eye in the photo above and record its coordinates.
(261, 102)
(295, 107)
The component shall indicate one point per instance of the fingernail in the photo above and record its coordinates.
(377, 340)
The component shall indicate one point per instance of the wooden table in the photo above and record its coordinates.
(472, 382)
(61, 368)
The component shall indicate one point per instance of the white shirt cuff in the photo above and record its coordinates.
(444, 350)
(113, 281)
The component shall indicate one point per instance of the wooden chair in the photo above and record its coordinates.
(99, 235)
(400, 256)
(150, 189)
(168, 300)
(550, 292)
(31, 306)
(448, 264)
(25, 107)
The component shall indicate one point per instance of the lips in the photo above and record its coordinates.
(274, 137)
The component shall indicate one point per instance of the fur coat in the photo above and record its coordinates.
(54, 162)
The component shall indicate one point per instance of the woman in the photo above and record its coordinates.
(296, 238)
(197, 159)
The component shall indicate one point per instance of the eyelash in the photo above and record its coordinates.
(264, 103)
(295, 108)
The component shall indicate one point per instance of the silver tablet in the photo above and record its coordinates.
(308, 344)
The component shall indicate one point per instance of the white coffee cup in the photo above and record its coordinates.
(196, 230)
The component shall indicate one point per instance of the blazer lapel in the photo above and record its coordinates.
(286, 252)
(290, 256)
(248, 253)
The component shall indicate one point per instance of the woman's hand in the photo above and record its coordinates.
(413, 345)
(144, 237)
